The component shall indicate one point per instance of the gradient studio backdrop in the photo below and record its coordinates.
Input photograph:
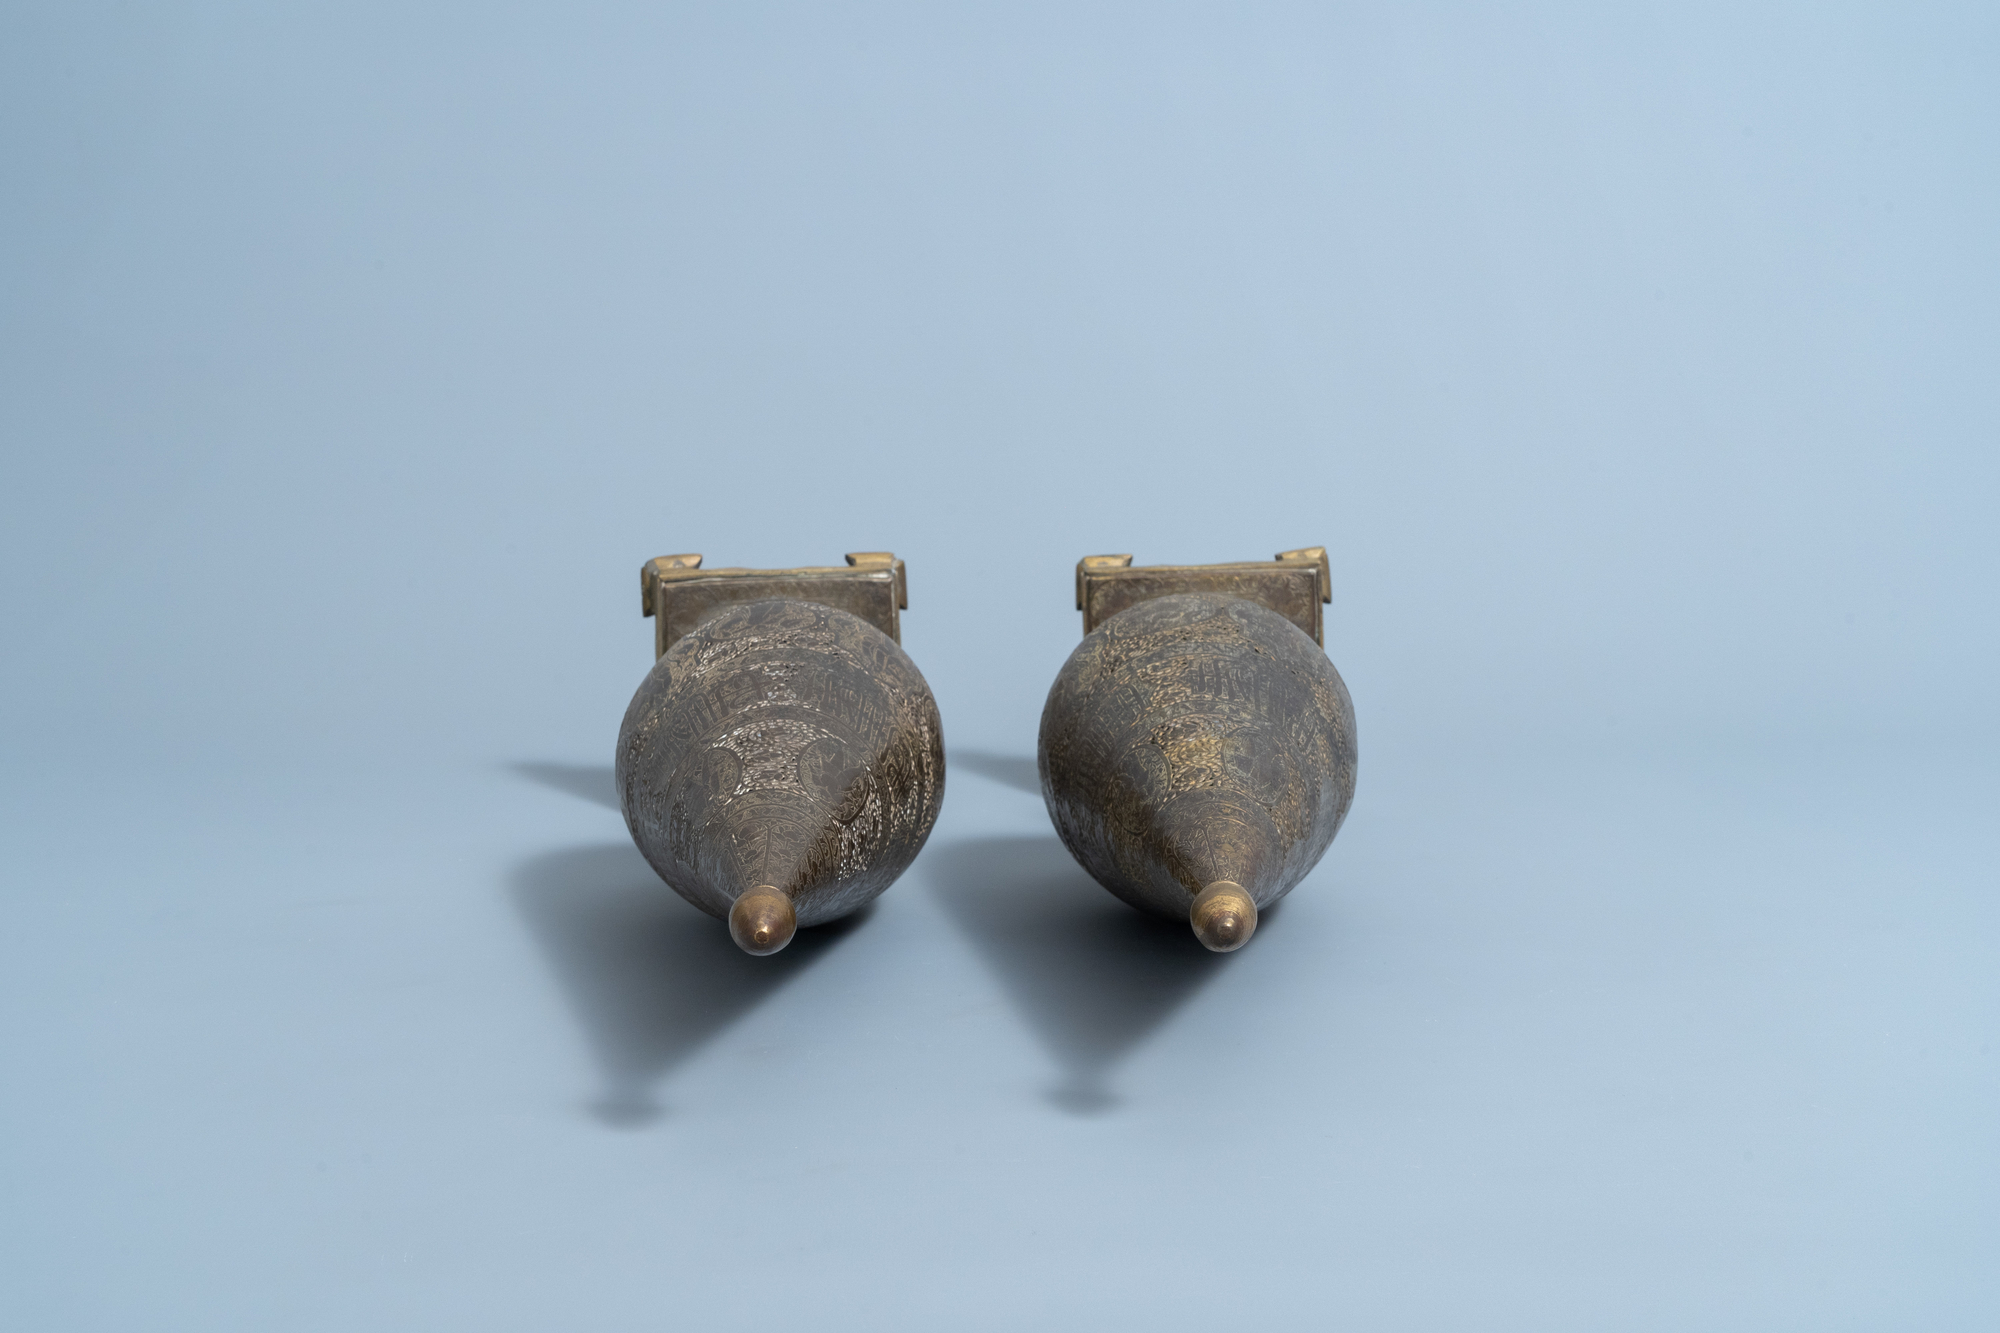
(1637, 369)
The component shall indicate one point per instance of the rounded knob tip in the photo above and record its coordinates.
(1223, 916)
(762, 921)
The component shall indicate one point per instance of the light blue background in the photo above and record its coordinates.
(1638, 370)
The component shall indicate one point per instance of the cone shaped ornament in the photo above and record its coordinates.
(780, 766)
(1197, 756)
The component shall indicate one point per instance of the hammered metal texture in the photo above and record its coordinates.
(784, 743)
(1196, 738)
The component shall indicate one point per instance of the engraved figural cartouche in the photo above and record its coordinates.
(782, 762)
(1197, 749)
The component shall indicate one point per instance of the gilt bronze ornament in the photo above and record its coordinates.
(1197, 749)
(782, 763)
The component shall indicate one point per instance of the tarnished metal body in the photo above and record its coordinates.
(1198, 739)
(786, 744)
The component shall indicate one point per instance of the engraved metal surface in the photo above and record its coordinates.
(1196, 738)
(782, 743)
(1294, 584)
(679, 594)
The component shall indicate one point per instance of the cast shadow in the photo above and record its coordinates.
(652, 978)
(593, 782)
(1092, 977)
(1009, 770)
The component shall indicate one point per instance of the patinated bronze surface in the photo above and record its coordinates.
(1197, 753)
(783, 762)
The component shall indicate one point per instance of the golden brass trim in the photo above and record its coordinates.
(679, 594)
(1223, 916)
(763, 920)
(1295, 584)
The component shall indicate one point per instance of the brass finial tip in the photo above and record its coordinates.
(762, 921)
(1223, 916)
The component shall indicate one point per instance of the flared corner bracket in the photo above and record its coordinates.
(678, 594)
(1295, 584)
